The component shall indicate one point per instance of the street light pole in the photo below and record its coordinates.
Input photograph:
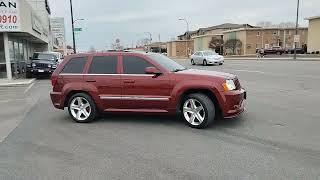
(297, 24)
(187, 34)
(73, 36)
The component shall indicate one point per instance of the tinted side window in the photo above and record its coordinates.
(104, 65)
(75, 65)
(135, 65)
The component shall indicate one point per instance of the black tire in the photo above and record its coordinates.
(192, 62)
(93, 113)
(220, 64)
(208, 107)
(29, 75)
(205, 63)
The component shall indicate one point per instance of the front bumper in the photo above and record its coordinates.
(214, 61)
(40, 71)
(234, 103)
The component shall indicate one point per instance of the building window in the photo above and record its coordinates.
(258, 33)
(275, 33)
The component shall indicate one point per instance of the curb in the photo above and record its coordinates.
(17, 83)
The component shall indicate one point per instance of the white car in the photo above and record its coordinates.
(206, 57)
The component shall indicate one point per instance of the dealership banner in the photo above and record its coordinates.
(10, 15)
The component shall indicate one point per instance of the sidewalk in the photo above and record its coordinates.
(15, 82)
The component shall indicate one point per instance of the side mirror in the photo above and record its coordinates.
(152, 70)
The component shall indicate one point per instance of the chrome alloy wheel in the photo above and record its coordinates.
(80, 108)
(194, 112)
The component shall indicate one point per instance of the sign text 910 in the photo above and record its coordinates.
(8, 19)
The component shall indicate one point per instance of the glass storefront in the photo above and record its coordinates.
(3, 70)
(18, 56)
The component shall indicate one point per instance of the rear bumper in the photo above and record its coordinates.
(234, 103)
(56, 98)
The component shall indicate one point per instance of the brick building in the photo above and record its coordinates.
(178, 48)
(256, 38)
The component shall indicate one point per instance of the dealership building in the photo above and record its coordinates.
(24, 29)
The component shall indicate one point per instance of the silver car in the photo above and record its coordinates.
(206, 57)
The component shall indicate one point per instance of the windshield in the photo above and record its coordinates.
(166, 62)
(41, 56)
(209, 53)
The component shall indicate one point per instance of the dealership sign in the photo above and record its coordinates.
(9, 15)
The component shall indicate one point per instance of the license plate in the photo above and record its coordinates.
(40, 70)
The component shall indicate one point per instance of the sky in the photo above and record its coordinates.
(107, 20)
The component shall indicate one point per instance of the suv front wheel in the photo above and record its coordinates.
(81, 108)
(198, 110)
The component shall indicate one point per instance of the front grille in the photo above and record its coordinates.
(41, 65)
(237, 83)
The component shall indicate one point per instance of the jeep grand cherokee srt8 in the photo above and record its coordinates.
(88, 84)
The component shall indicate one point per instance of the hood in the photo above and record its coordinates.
(194, 72)
(214, 56)
(43, 61)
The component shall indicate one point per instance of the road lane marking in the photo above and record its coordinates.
(12, 100)
(29, 87)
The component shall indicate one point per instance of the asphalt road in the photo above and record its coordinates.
(276, 138)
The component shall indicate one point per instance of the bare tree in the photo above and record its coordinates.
(216, 44)
(233, 45)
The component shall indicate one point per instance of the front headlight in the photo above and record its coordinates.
(229, 85)
(54, 66)
(49, 65)
(33, 64)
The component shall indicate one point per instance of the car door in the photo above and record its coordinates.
(141, 91)
(104, 75)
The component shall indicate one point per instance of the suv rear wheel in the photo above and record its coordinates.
(81, 108)
(198, 110)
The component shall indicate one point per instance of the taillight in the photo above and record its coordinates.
(54, 80)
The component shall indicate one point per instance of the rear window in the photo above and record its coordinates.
(104, 65)
(75, 65)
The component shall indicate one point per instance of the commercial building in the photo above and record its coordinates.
(24, 29)
(180, 48)
(251, 39)
(58, 34)
(200, 39)
(314, 34)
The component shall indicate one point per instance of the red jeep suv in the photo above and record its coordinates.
(89, 84)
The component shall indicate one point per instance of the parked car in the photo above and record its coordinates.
(299, 51)
(88, 84)
(274, 50)
(206, 57)
(42, 63)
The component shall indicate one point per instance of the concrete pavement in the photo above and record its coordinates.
(277, 137)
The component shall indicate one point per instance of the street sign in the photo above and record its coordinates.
(78, 29)
(296, 38)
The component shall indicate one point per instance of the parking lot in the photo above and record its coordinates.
(276, 138)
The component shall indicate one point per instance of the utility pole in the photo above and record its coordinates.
(297, 24)
(159, 44)
(73, 35)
